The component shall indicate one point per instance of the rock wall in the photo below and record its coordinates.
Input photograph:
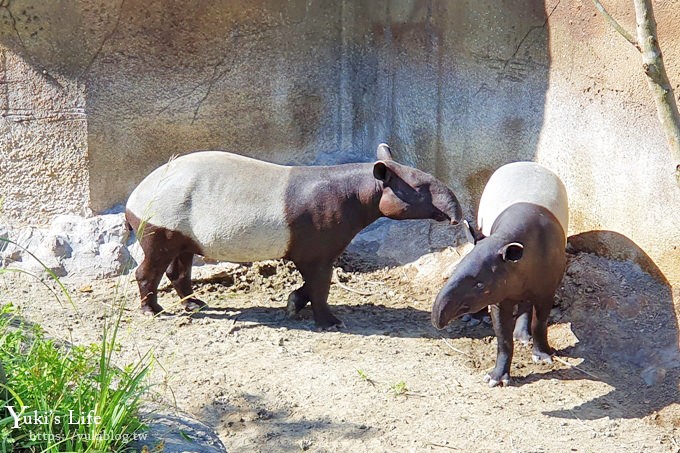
(95, 94)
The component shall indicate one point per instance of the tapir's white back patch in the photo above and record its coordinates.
(231, 205)
(522, 182)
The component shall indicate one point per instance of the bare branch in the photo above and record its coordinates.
(662, 90)
(616, 25)
(653, 66)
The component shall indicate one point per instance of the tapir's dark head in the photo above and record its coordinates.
(409, 193)
(491, 272)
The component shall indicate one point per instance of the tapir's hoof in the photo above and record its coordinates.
(539, 357)
(331, 323)
(151, 310)
(522, 337)
(331, 328)
(296, 302)
(192, 305)
(475, 319)
(497, 381)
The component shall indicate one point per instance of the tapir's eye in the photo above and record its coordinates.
(479, 285)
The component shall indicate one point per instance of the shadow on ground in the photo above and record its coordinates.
(625, 319)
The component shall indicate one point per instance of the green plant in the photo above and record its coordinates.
(399, 388)
(66, 399)
(55, 398)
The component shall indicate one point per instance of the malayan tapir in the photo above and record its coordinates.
(517, 263)
(233, 208)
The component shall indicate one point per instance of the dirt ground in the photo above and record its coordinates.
(388, 381)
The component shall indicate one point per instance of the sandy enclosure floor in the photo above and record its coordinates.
(389, 381)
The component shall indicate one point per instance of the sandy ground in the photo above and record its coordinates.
(388, 381)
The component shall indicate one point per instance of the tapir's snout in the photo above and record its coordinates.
(457, 216)
(446, 307)
(454, 211)
(437, 319)
(442, 311)
(450, 209)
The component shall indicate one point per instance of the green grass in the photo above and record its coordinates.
(59, 398)
(66, 399)
(399, 388)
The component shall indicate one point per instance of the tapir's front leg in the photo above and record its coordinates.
(503, 323)
(317, 278)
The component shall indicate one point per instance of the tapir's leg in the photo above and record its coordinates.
(160, 249)
(523, 322)
(179, 273)
(503, 321)
(317, 278)
(149, 274)
(539, 330)
(297, 300)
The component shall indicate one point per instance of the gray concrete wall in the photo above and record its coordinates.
(457, 88)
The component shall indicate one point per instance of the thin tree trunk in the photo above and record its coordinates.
(662, 91)
(652, 63)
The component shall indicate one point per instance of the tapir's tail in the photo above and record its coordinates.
(132, 233)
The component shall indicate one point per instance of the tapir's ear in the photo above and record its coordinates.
(381, 171)
(512, 252)
(384, 152)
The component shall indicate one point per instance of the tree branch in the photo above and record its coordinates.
(616, 25)
(662, 90)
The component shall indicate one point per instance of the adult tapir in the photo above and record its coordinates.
(517, 262)
(233, 208)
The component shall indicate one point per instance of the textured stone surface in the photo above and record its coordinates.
(390, 242)
(81, 248)
(94, 94)
(176, 432)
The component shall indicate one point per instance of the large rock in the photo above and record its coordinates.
(392, 243)
(177, 432)
(99, 247)
(73, 246)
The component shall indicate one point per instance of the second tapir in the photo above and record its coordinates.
(234, 208)
(517, 263)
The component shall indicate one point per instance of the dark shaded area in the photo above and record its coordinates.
(365, 320)
(616, 246)
(625, 321)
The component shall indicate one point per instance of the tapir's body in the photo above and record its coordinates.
(234, 208)
(523, 215)
(210, 196)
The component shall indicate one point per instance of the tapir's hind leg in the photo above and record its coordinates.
(149, 274)
(297, 300)
(523, 322)
(161, 247)
(317, 278)
(179, 273)
(542, 351)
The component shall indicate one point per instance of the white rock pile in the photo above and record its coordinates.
(73, 246)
